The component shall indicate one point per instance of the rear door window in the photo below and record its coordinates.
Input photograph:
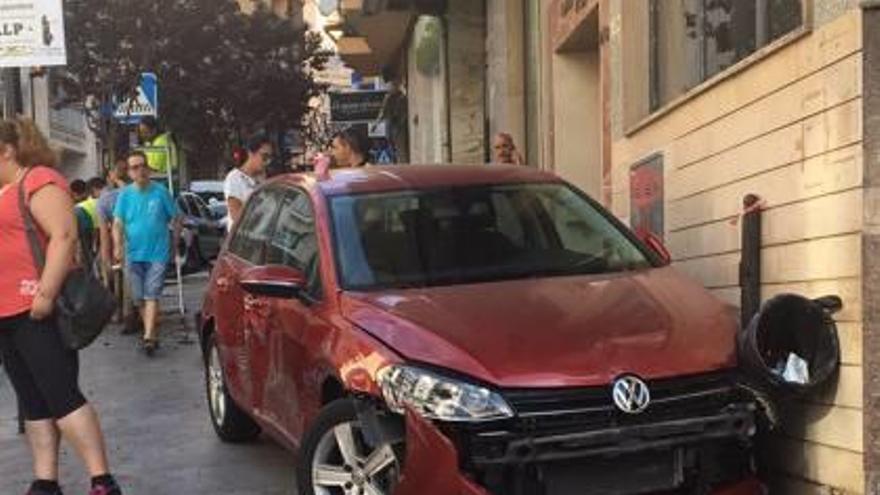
(294, 242)
(256, 226)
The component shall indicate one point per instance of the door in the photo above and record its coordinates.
(293, 324)
(234, 319)
(210, 229)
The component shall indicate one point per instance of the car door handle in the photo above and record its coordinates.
(222, 284)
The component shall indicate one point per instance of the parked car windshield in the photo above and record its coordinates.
(476, 234)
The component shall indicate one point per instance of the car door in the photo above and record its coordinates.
(210, 230)
(234, 316)
(293, 324)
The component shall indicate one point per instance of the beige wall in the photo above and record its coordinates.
(505, 47)
(577, 137)
(467, 76)
(787, 128)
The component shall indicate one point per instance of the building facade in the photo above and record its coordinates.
(670, 113)
(768, 99)
(32, 93)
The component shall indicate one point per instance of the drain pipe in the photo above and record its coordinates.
(750, 263)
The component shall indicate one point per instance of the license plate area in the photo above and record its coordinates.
(630, 474)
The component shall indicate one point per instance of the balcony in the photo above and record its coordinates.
(375, 32)
(67, 129)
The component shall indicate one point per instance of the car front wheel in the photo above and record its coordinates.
(337, 459)
(229, 421)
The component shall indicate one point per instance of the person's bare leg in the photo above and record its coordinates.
(43, 437)
(151, 320)
(83, 430)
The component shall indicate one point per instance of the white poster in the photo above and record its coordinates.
(32, 33)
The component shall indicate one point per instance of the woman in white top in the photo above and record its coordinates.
(242, 181)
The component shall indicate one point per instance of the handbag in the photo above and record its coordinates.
(84, 306)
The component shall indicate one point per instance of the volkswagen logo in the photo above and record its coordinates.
(631, 395)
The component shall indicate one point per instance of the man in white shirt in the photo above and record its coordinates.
(242, 181)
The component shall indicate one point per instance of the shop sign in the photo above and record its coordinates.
(356, 106)
(32, 33)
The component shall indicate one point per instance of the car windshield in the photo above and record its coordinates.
(476, 234)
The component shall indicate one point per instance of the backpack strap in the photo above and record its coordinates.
(30, 227)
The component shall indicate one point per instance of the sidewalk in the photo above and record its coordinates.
(156, 421)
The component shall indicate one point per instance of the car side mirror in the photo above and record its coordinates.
(281, 282)
(656, 245)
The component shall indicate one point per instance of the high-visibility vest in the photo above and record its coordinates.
(90, 206)
(161, 152)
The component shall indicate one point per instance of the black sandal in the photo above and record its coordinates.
(150, 346)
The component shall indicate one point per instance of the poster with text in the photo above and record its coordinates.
(32, 33)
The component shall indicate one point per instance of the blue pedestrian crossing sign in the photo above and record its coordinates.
(145, 102)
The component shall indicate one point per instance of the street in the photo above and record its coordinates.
(156, 423)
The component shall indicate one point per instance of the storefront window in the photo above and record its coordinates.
(693, 40)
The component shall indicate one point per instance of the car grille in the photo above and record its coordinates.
(551, 411)
(706, 419)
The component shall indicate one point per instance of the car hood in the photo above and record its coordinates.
(555, 332)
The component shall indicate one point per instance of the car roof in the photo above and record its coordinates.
(389, 178)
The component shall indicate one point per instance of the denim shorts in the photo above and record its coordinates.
(147, 280)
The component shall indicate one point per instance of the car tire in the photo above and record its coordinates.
(230, 422)
(318, 448)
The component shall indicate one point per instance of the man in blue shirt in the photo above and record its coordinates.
(144, 210)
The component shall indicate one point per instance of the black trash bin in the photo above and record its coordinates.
(791, 324)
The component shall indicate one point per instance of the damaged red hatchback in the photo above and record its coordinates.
(469, 330)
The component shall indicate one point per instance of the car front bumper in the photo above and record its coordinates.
(652, 458)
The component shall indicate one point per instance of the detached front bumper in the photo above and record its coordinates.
(433, 467)
(693, 442)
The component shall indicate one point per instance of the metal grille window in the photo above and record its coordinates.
(693, 40)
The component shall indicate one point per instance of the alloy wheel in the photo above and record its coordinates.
(216, 387)
(345, 464)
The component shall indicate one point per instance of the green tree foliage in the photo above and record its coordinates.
(222, 73)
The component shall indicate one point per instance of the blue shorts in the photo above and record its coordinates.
(147, 280)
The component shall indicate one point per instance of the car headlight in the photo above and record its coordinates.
(437, 397)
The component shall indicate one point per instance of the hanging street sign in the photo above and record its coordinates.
(145, 102)
(32, 33)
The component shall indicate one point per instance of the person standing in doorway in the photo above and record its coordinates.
(395, 115)
(504, 150)
(350, 149)
(241, 181)
(43, 371)
(144, 211)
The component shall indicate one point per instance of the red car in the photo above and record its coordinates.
(469, 330)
